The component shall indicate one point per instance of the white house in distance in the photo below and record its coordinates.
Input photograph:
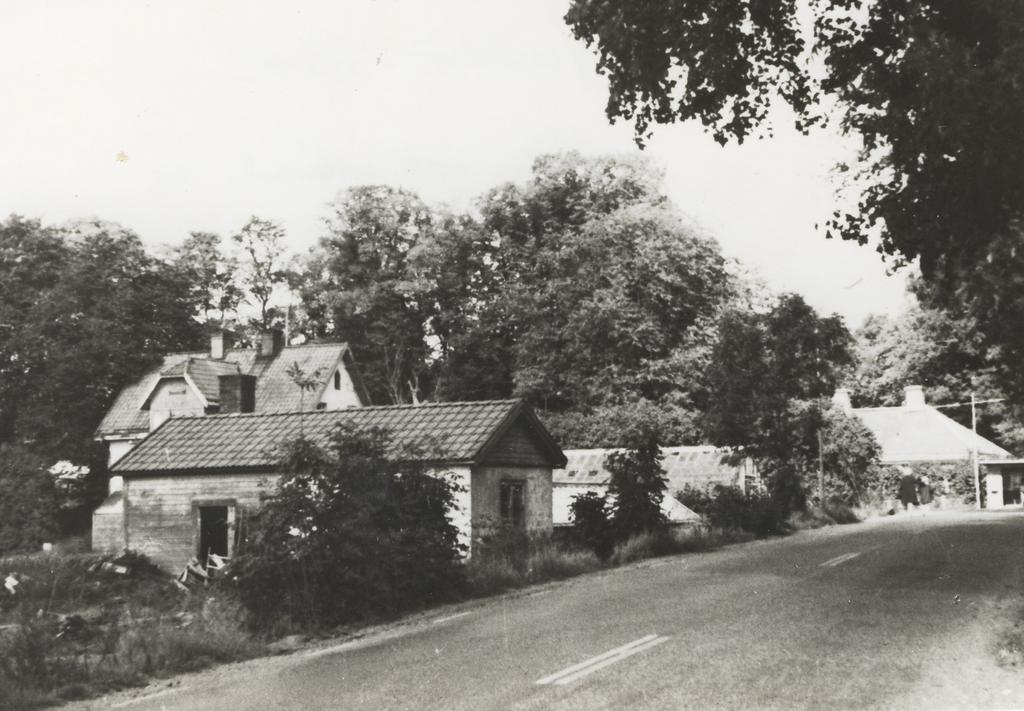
(916, 433)
(698, 467)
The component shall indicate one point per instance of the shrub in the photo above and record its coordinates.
(729, 508)
(28, 501)
(356, 532)
(591, 523)
(637, 485)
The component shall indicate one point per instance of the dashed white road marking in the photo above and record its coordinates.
(149, 697)
(449, 618)
(838, 560)
(589, 666)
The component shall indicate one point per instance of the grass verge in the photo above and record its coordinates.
(73, 629)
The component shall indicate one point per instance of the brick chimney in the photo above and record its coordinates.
(220, 343)
(841, 399)
(913, 397)
(271, 343)
(237, 393)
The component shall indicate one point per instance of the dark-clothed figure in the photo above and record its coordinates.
(908, 490)
(924, 491)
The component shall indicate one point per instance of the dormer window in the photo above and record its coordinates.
(337, 380)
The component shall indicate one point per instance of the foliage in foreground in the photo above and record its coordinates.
(632, 505)
(354, 532)
(75, 630)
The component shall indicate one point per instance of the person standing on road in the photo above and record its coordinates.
(908, 490)
(924, 492)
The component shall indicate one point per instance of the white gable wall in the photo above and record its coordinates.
(338, 398)
(173, 398)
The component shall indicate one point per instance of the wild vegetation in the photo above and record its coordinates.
(78, 625)
(353, 533)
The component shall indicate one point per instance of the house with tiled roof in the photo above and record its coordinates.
(699, 467)
(220, 380)
(917, 433)
(225, 379)
(189, 485)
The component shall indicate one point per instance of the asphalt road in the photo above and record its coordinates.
(902, 613)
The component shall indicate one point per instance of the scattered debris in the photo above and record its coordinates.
(956, 599)
(71, 627)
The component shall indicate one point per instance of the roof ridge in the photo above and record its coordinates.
(375, 408)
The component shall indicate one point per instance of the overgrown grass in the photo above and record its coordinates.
(514, 559)
(831, 513)
(516, 562)
(74, 630)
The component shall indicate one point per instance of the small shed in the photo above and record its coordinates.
(189, 485)
(1003, 483)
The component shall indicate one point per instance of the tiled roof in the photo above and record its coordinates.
(275, 392)
(205, 373)
(923, 434)
(694, 466)
(456, 432)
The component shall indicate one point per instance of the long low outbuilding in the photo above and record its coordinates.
(697, 467)
(188, 487)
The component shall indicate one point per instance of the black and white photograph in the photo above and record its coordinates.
(475, 355)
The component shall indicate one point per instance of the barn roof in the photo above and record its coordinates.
(454, 432)
(694, 466)
(275, 391)
(923, 434)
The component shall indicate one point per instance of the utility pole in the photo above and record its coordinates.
(977, 471)
(974, 442)
(821, 471)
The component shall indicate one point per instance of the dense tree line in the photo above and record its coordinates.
(584, 291)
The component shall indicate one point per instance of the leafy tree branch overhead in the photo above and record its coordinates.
(934, 89)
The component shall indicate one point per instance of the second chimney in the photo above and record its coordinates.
(220, 342)
(913, 397)
(237, 393)
(271, 343)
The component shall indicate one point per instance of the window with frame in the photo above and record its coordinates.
(512, 503)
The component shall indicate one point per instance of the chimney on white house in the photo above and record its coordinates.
(220, 343)
(841, 399)
(913, 397)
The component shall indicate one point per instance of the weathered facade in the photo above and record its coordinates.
(221, 380)
(189, 487)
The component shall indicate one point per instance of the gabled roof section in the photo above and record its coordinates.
(201, 374)
(694, 466)
(275, 392)
(923, 434)
(459, 432)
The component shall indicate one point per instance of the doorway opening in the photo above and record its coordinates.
(213, 532)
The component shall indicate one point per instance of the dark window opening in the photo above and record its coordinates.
(337, 380)
(213, 532)
(513, 503)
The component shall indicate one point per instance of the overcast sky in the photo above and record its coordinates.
(169, 117)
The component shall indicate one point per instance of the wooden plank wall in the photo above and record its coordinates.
(160, 520)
